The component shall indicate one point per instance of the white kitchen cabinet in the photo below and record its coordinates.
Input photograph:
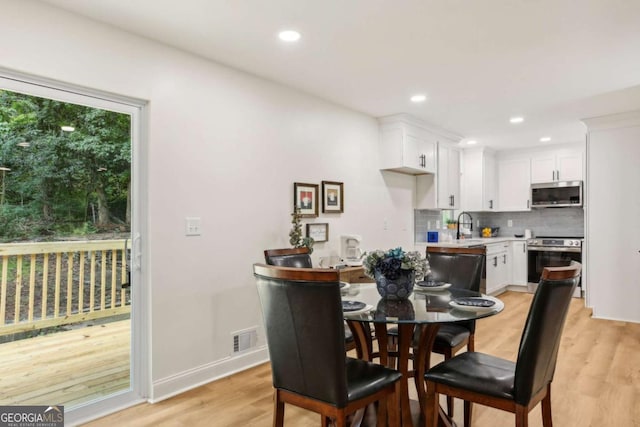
(406, 147)
(518, 262)
(479, 183)
(448, 177)
(497, 267)
(557, 165)
(514, 184)
(442, 190)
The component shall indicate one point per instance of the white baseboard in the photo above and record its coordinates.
(179, 383)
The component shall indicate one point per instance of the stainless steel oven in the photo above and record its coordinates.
(552, 252)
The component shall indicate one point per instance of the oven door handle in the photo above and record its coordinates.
(553, 249)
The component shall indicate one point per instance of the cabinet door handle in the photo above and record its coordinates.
(490, 204)
(528, 201)
(524, 249)
(553, 175)
(558, 175)
(495, 261)
(504, 259)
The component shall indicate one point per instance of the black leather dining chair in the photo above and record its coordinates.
(299, 257)
(464, 271)
(302, 311)
(288, 257)
(518, 386)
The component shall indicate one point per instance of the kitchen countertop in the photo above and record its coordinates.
(467, 243)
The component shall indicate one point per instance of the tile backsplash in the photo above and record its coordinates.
(541, 222)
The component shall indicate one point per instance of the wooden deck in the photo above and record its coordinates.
(66, 368)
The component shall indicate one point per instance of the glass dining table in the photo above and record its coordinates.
(417, 320)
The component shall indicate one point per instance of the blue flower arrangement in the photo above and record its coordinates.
(391, 262)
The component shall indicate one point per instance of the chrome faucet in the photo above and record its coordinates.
(470, 223)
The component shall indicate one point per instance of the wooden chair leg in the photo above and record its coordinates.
(546, 409)
(278, 410)
(382, 412)
(471, 344)
(448, 354)
(522, 416)
(468, 411)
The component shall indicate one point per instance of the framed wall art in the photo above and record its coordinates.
(318, 232)
(305, 198)
(332, 197)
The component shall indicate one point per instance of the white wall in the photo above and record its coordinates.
(225, 146)
(613, 210)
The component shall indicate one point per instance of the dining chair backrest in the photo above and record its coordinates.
(540, 340)
(303, 320)
(462, 270)
(288, 257)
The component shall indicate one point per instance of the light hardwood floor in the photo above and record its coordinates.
(597, 381)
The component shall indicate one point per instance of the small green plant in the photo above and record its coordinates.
(295, 235)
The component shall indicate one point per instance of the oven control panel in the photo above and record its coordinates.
(575, 243)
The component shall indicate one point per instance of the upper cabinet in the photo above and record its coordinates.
(448, 177)
(557, 165)
(517, 170)
(514, 184)
(406, 147)
(479, 180)
(442, 190)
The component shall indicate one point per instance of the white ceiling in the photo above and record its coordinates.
(478, 61)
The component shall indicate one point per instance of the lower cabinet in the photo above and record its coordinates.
(519, 263)
(498, 267)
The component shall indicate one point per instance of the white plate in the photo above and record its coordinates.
(499, 305)
(432, 288)
(344, 286)
(366, 308)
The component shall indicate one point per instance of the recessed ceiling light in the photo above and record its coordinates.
(472, 142)
(289, 36)
(516, 119)
(545, 139)
(418, 98)
(67, 128)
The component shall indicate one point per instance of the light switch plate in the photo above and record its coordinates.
(193, 226)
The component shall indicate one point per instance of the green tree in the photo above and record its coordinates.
(56, 176)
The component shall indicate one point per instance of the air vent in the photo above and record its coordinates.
(244, 340)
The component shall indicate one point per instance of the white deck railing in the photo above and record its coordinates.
(50, 284)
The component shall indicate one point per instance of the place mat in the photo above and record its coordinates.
(352, 305)
(474, 302)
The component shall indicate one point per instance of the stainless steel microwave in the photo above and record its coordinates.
(559, 194)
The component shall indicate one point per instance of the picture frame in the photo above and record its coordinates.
(319, 232)
(305, 198)
(332, 197)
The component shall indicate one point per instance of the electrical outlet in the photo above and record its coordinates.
(193, 226)
(510, 223)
